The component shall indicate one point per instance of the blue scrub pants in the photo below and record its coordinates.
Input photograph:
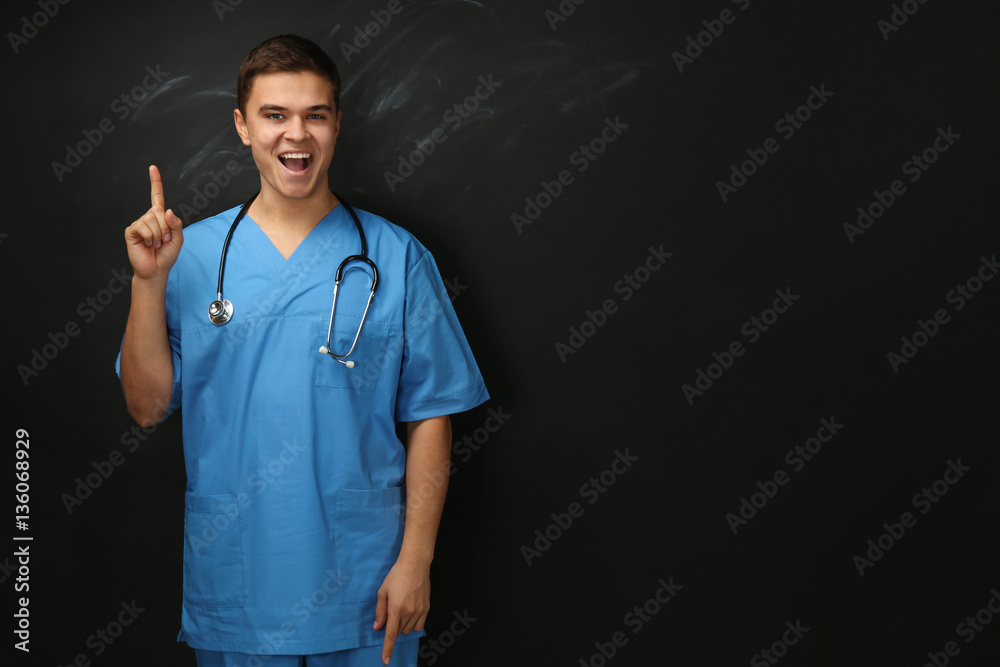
(404, 654)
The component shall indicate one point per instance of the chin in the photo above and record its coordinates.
(297, 190)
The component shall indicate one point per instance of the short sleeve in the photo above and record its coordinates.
(174, 334)
(439, 374)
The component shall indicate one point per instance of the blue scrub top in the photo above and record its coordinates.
(295, 503)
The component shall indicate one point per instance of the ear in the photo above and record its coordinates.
(336, 127)
(241, 126)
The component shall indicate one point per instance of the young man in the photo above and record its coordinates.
(301, 538)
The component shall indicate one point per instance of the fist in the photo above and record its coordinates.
(155, 239)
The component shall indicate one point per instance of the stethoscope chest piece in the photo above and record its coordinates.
(220, 311)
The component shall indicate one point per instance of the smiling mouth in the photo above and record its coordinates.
(296, 162)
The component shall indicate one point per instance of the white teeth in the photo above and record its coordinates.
(295, 155)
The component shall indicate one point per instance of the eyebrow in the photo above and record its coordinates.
(278, 107)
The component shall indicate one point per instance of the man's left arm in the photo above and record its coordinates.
(405, 596)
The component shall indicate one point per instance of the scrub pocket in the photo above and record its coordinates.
(213, 551)
(368, 531)
(375, 353)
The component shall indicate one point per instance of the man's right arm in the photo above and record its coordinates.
(147, 370)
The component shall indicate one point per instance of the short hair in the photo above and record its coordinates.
(285, 53)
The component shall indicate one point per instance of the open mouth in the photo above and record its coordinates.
(296, 162)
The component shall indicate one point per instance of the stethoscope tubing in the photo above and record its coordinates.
(220, 311)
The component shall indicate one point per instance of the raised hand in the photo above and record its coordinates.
(155, 239)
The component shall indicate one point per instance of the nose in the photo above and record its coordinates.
(295, 129)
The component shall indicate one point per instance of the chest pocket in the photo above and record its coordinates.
(375, 353)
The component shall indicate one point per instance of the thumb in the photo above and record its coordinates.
(175, 224)
(381, 608)
(173, 221)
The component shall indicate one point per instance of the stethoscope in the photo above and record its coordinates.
(220, 311)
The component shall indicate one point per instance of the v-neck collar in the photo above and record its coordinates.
(272, 281)
(269, 254)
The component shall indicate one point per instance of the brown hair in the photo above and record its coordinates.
(285, 53)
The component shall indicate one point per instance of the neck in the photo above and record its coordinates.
(272, 210)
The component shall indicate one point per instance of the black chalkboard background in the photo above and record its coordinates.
(586, 369)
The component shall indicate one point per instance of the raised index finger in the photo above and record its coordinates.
(156, 187)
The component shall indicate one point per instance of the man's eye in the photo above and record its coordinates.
(318, 115)
(274, 115)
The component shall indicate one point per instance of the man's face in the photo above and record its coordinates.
(291, 126)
